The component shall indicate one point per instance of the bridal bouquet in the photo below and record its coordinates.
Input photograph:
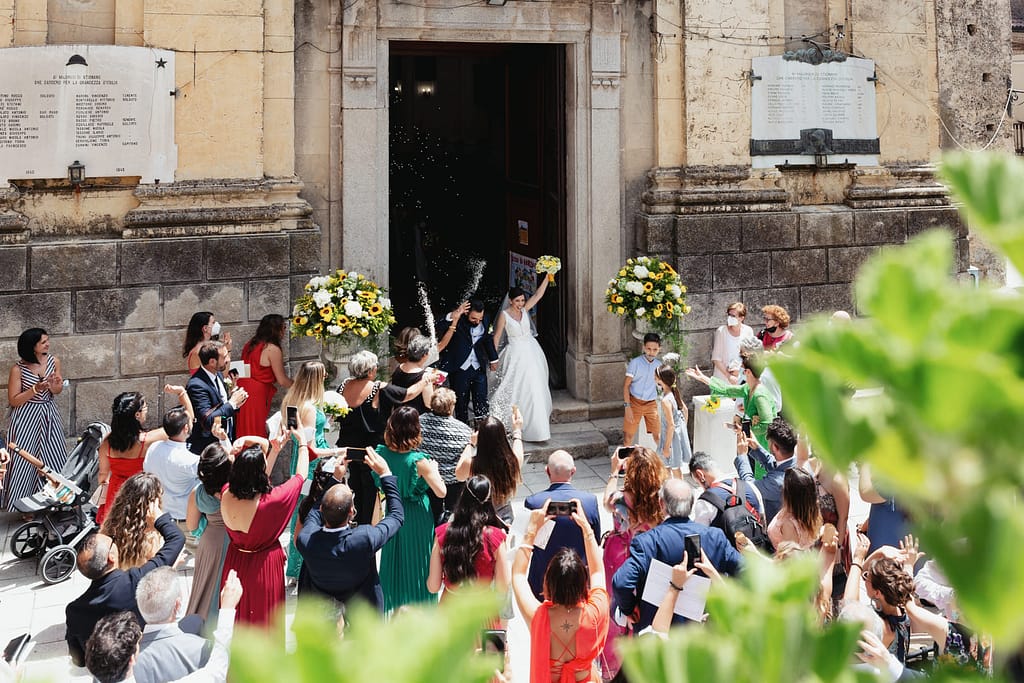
(549, 265)
(650, 290)
(341, 304)
(334, 404)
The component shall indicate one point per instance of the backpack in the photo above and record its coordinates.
(736, 514)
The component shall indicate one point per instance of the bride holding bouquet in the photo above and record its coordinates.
(522, 367)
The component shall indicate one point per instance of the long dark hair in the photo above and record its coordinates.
(800, 495)
(496, 460)
(271, 330)
(194, 333)
(465, 537)
(249, 474)
(214, 468)
(27, 341)
(124, 426)
(668, 377)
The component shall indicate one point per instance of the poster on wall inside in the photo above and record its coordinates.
(524, 232)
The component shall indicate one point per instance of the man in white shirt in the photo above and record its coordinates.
(176, 467)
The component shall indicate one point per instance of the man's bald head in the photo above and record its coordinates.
(97, 556)
(677, 498)
(336, 506)
(560, 467)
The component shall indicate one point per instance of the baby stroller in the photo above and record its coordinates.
(65, 516)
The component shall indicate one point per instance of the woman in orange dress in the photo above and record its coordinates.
(124, 450)
(263, 355)
(567, 630)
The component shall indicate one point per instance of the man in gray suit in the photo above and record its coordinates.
(166, 652)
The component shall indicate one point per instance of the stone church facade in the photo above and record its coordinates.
(286, 161)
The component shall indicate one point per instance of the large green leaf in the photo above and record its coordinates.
(989, 187)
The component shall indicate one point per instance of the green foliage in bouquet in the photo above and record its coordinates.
(341, 305)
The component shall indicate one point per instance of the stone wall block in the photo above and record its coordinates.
(151, 352)
(303, 347)
(268, 296)
(155, 260)
(86, 355)
(825, 228)
(657, 233)
(799, 267)
(117, 309)
(51, 311)
(925, 219)
(695, 272)
(707, 311)
(756, 299)
(94, 399)
(770, 230)
(844, 262)
(239, 257)
(736, 271)
(13, 265)
(707, 234)
(74, 265)
(826, 299)
(880, 227)
(226, 301)
(698, 351)
(304, 251)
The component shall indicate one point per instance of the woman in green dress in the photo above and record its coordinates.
(306, 394)
(758, 405)
(405, 559)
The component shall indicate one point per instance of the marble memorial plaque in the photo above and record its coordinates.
(108, 107)
(792, 96)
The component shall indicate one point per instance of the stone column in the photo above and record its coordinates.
(595, 362)
(669, 105)
(7, 23)
(30, 22)
(364, 151)
(278, 89)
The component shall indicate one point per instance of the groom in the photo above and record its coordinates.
(467, 349)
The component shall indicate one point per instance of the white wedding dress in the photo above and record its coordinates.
(523, 370)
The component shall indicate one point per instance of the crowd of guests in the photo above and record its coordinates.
(410, 481)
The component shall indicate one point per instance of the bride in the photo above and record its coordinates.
(523, 368)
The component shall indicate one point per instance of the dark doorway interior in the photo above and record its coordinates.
(477, 147)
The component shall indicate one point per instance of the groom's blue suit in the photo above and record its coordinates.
(462, 351)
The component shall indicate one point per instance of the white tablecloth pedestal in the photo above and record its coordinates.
(712, 436)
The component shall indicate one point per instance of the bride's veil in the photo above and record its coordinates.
(505, 303)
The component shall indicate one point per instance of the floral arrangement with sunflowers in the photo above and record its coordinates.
(650, 290)
(341, 305)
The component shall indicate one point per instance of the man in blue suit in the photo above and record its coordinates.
(209, 396)
(467, 350)
(666, 542)
(566, 534)
(340, 560)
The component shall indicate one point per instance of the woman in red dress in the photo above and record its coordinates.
(255, 515)
(263, 355)
(123, 451)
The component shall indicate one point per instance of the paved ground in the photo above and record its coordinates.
(29, 605)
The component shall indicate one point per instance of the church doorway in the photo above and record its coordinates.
(477, 177)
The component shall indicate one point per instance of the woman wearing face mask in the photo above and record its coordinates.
(776, 327)
(201, 328)
(725, 353)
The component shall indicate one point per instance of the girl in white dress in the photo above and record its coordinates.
(523, 368)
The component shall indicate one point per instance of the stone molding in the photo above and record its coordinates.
(711, 189)
(217, 206)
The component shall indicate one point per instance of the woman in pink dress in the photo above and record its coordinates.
(263, 355)
(255, 515)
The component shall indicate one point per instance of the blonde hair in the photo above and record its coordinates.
(777, 312)
(308, 386)
(443, 402)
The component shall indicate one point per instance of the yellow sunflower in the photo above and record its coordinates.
(363, 294)
(648, 286)
(301, 320)
(375, 309)
(620, 310)
(326, 312)
(657, 313)
(668, 305)
(342, 320)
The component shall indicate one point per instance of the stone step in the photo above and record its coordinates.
(565, 408)
(582, 439)
(611, 428)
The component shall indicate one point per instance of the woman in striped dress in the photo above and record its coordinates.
(35, 422)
